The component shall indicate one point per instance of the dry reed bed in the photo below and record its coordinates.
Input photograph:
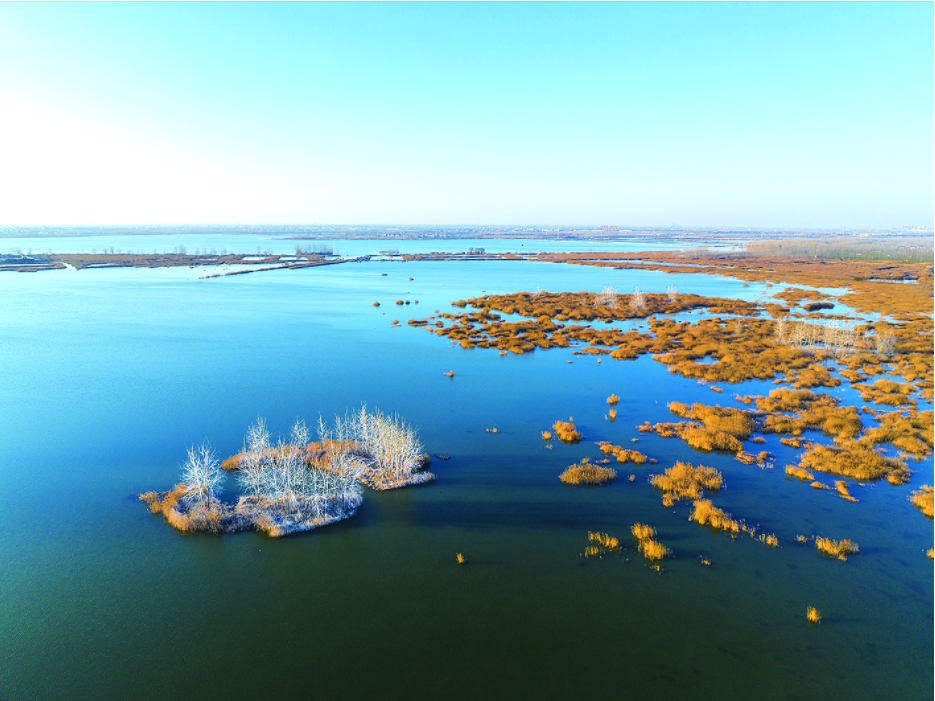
(858, 459)
(588, 473)
(684, 481)
(802, 349)
(651, 548)
(859, 276)
(923, 499)
(742, 349)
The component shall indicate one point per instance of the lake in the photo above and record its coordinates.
(108, 375)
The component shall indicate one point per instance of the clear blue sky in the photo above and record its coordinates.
(734, 114)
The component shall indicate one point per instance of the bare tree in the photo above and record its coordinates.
(884, 342)
(607, 297)
(201, 473)
(637, 300)
(256, 451)
(671, 293)
(780, 328)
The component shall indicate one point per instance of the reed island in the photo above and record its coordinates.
(295, 484)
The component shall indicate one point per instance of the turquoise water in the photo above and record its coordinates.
(109, 374)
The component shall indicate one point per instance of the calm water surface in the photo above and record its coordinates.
(107, 376)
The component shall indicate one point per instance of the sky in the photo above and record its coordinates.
(816, 115)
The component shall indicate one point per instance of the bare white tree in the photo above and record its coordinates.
(780, 328)
(201, 473)
(256, 452)
(637, 300)
(884, 342)
(671, 293)
(607, 297)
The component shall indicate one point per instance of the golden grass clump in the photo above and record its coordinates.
(612, 414)
(836, 548)
(623, 455)
(707, 514)
(912, 432)
(604, 540)
(651, 549)
(855, 460)
(566, 432)
(931, 554)
(793, 412)
(459, 558)
(546, 436)
(164, 502)
(697, 436)
(924, 500)
(734, 422)
(886, 392)
(799, 473)
(642, 532)
(770, 539)
(813, 615)
(203, 518)
(801, 539)
(233, 462)
(703, 438)
(600, 544)
(613, 399)
(587, 473)
(841, 488)
(684, 481)
(791, 442)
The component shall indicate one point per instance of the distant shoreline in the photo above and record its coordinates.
(442, 233)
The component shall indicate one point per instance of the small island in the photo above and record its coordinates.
(296, 484)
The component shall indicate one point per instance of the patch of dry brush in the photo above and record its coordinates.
(684, 481)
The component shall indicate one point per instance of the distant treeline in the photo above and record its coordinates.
(907, 249)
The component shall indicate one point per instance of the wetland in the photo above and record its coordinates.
(716, 382)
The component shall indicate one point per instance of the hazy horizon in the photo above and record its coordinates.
(737, 115)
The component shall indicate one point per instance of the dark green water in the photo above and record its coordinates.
(108, 375)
